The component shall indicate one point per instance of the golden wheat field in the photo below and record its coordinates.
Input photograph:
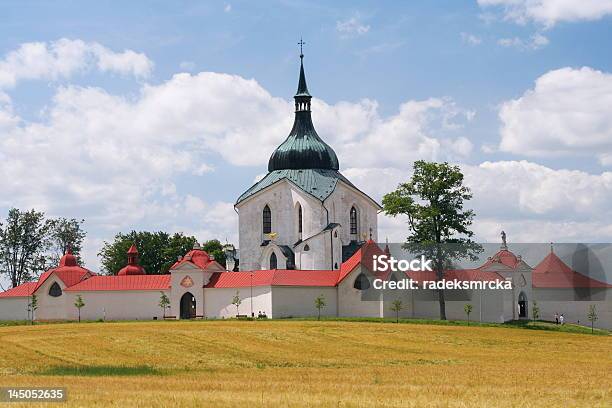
(307, 363)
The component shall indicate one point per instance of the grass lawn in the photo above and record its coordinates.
(307, 363)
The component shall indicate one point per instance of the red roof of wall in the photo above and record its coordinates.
(198, 257)
(363, 254)
(69, 275)
(126, 282)
(552, 272)
(459, 274)
(503, 257)
(25, 289)
(276, 277)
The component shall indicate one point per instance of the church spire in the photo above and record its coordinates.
(303, 148)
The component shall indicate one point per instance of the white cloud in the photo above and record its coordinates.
(227, 8)
(567, 112)
(551, 12)
(470, 39)
(352, 27)
(535, 42)
(531, 202)
(64, 58)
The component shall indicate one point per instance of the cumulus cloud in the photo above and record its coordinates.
(531, 202)
(351, 27)
(567, 112)
(551, 12)
(64, 58)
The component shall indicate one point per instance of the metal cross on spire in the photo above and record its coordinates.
(301, 44)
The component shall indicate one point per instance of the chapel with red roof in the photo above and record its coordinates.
(305, 231)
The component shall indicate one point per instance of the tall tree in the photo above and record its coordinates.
(24, 244)
(215, 248)
(66, 233)
(158, 251)
(439, 226)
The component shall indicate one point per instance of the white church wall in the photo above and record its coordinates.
(350, 303)
(116, 305)
(340, 202)
(218, 301)
(282, 198)
(299, 301)
(577, 311)
(14, 308)
(49, 307)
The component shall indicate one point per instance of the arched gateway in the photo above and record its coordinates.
(188, 306)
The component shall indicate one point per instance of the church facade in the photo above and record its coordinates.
(304, 231)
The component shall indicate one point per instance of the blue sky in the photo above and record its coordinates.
(438, 80)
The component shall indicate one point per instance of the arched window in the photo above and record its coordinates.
(299, 219)
(273, 261)
(353, 223)
(362, 282)
(306, 248)
(55, 290)
(267, 220)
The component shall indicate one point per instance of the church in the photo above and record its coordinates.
(305, 231)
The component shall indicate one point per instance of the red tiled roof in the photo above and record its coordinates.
(23, 290)
(131, 270)
(363, 255)
(198, 257)
(459, 274)
(69, 275)
(503, 257)
(552, 272)
(126, 282)
(276, 277)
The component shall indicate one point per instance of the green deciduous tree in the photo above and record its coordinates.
(79, 304)
(164, 303)
(592, 316)
(66, 234)
(236, 301)
(396, 307)
(215, 248)
(468, 310)
(158, 251)
(319, 304)
(439, 226)
(32, 307)
(24, 244)
(535, 311)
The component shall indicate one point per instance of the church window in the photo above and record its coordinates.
(353, 223)
(299, 219)
(273, 261)
(362, 282)
(267, 220)
(306, 248)
(55, 290)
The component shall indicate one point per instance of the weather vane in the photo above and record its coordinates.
(301, 44)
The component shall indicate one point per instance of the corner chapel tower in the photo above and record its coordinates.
(304, 214)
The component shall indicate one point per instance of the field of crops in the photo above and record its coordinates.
(307, 363)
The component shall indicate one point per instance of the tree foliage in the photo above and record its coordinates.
(396, 307)
(467, 308)
(592, 316)
(66, 234)
(25, 238)
(439, 226)
(215, 248)
(79, 303)
(319, 304)
(158, 251)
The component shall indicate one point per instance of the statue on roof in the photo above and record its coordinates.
(503, 237)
